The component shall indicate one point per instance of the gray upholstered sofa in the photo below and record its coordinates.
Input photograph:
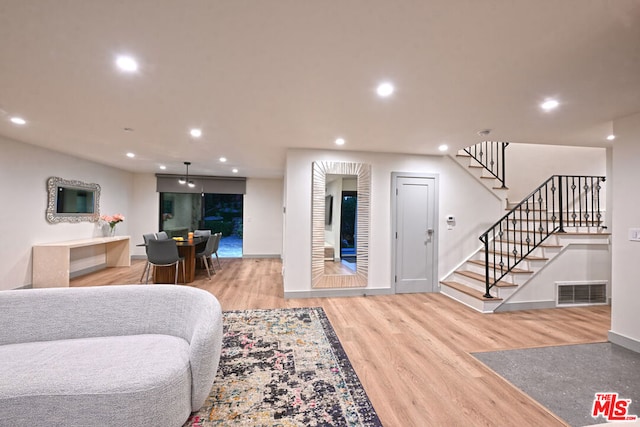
(107, 356)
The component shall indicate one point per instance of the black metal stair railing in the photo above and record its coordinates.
(561, 201)
(490, 154)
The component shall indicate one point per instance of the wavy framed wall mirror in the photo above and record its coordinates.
(341, 194)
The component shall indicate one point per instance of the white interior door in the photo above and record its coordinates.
(415, 235)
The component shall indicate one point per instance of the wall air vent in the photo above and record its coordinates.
(580, 293)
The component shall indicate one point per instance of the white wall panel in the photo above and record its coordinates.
(626, 214)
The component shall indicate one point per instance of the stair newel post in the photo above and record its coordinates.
(502, 165)
(485, 239)
(560, 204)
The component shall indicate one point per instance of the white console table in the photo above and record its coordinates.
(51, 261)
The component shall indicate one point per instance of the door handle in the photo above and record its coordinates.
(429, 235)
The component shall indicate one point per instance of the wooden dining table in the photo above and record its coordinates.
(187, 248)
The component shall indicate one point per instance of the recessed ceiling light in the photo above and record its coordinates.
(163, 167)
(18, 120)
(196, 133)
(443, 147)
(223, 159)
(234, 170)
(549, 104)
(611, 137)
(127, 63)
(340, 141)
(385, 89)
(130, 155)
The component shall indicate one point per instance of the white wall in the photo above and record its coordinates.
(262, 217)
(473, 205)
(529, 165)
(24, 170)
(147, 210)
(577, 263)
(625, 322)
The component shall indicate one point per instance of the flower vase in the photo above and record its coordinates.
(112, 231)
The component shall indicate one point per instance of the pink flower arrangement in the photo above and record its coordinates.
(112, 220)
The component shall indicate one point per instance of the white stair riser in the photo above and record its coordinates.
(472, 283)
(518, 279)
(476, 304)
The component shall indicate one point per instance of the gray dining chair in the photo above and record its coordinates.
(164, 253)
(198, 233)
(216, 245)
(162, 235)
(206, 253)
(147, 237)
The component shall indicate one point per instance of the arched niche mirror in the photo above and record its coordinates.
(340, 223)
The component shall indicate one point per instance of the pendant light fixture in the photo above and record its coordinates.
(182, 180)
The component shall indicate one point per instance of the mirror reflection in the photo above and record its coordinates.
(341, 199)
(340, 225)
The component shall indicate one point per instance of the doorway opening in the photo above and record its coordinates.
(348, 228)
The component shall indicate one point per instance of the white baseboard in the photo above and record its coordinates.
(262, 256)
(624, 341)
(528, 305)
(326, 293)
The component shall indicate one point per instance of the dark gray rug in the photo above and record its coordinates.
(566, 378)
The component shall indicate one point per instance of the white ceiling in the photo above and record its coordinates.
(262, 76)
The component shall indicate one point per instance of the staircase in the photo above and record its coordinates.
(563, 211)
(485, 161)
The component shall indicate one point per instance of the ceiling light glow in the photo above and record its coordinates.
(127, 63)
(443, 147)
(196, 133)
(234, 170)
(163, 167)
(611, 137)
(549, 104)
(385, 89)
(130, 155)
(223, 159)
(340, 141)
(18, 121)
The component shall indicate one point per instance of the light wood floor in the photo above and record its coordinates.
(412, 352)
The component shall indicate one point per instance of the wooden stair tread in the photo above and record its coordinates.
(530, 210)
(541, 245)
(500, 188)
(514, 270)
(462, 155)
(480, 277)
(583, 233)
(469, 291)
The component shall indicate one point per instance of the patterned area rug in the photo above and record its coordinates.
(284, 367)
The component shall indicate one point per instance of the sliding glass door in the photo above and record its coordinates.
(184, 212)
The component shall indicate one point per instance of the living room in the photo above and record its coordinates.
(75, 130)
